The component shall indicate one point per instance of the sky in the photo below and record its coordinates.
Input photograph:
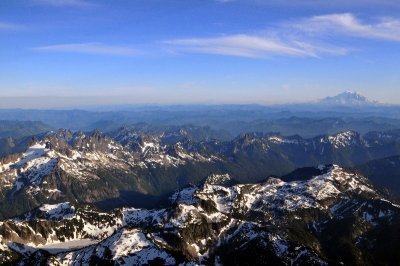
(60, 53)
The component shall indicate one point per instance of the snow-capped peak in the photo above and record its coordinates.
(343, 139)
(349, 98)
(58, 211)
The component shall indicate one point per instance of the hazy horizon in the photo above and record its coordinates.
(89, 102)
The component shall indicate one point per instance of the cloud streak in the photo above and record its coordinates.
(348, 24)
(300, 38)
(89, 48)
(252, 46)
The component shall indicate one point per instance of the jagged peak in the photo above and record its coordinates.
(216, 179)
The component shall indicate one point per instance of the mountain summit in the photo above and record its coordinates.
(347, 98)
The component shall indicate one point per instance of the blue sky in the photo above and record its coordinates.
(85, 52)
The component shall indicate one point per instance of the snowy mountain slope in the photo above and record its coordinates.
(85, 168)
(283, 222)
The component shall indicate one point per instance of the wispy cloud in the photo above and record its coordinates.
(348, 24)
(10, 26)
(89, 48)
(300, 38)
(252, 46)
(65, 3)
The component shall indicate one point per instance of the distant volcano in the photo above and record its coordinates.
(348, 98)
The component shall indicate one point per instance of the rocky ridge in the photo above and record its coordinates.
(284, 222)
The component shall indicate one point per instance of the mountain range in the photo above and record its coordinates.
(350, 110)
(333, 217)
(239, 185)
(133, 168)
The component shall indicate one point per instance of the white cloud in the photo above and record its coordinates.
(65, 3)
(300, 38)
(89, 48)
(253, 46)
(348, 24)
